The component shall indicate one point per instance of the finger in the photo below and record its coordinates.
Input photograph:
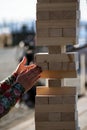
(30, 66)
(24, 72)
(36, 68)
(33, 75)
(34, 80)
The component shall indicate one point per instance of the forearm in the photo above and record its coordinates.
(10, 97)
(7, 83)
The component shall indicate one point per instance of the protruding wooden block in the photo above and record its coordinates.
(58, 74)
(68, 66)
(41, 100)
(56, 91)
(72, 66)
(44, 65)
(55, 66)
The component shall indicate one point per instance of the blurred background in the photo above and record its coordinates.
(17, 38)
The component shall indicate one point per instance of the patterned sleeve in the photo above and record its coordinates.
(7, 83)
(10, 97)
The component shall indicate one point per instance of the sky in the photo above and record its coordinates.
(83, 9)
(19, 10)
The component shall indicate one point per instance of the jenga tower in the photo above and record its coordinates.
(56, 27)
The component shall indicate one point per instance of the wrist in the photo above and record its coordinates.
(20, 87)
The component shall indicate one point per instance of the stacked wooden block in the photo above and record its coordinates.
(56, 27)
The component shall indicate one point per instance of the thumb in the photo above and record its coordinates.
(24, 60)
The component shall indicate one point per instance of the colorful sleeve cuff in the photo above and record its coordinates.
(9, 99)
(7, 83)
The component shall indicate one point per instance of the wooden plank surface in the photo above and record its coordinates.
(54, 6)
(58, 108)
(55, 91)
(56, 1)
(56, 23)
(52, 41)
(45, 57)
(62, 125)
(56, 15)
(59, 74)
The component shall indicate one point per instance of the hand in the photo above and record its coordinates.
(23, 67)
(29, 77)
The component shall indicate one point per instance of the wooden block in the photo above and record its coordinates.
(56, 1)
(58, 41)
(54, 82)
(42, 33)
(62, 125)
(44, 66)
(54, 116)
(58, 108)
(56, 15)
(53, 99)
(58, 74)
(55, 32)
(65, 65)
(41, 116)
(43, 1)
(72, 6)
(68, 66)
(42, 15)
(62, 99)
(72, 66)
(53, 128)
(67, 116)
(45, 58)
(69, 32)
(54, 49)
(69, 23)
(50, 32)
(69, 99)
(55, 91)
(55, 65)
(41, 100)
(47, 128)
(61, 1)
(62, 15)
